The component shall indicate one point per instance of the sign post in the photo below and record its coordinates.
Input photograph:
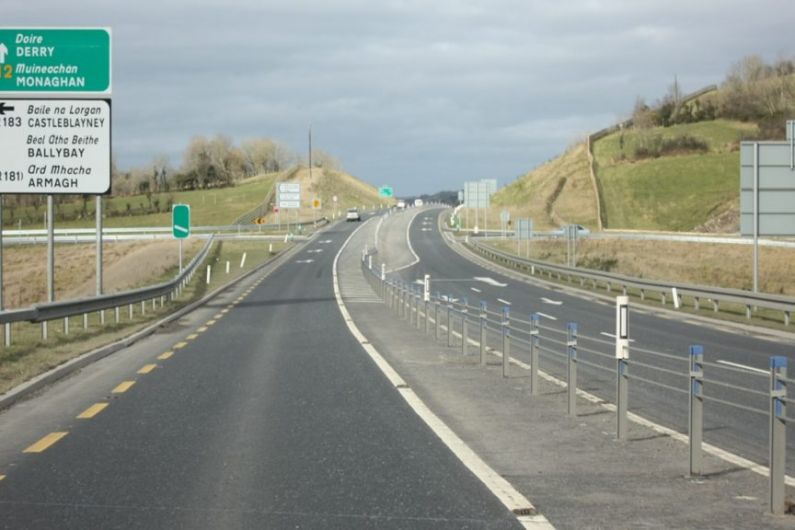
(180, 225)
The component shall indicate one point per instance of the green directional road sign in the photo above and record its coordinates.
(180, 221)
(385, 191)
(54, 60)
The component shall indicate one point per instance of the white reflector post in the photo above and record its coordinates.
(622, 327)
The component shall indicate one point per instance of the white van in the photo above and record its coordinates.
(418, 202)
(401, 205)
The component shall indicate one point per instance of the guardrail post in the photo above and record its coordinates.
(483, 331)
(506, 341)
(116, 313)
(420, 303)
(464, 330)
(102, 317)
(44, 330)
(131, 311)
(571, 350)
(143, 307)
(7, 334)
(85, 320)
(436, 315)
(415, 295)
(535, 338)
(399, 299)
(427, 315)
(449, 321)
(696, 423)
(66, 325)
(778, 433)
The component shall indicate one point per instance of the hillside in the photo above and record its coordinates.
(325, 184)
(209, 207)
(683, 190)
(555, 193)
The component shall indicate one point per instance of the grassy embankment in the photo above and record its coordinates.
(553, 194)
(678, 192)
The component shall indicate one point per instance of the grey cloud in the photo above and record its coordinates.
(417, 93)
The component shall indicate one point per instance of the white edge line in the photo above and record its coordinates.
(744, 367)
(550, 317)
(506, 302)
(500, 488)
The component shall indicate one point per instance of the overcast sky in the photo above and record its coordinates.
(422, 95)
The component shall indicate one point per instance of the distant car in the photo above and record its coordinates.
(417, 202)
(353, 215)
(401, 205)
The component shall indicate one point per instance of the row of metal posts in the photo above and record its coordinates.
(778, 382)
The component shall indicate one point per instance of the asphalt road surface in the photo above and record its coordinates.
(266, 414)
(739, 430)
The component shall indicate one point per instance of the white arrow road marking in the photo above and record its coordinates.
(475, 289)
(325, 242)
(426, 229)
(612, 336)
(506, 302)
(744, 367)
(315, 250)
(304, 261)
(553, 302)
(550, 317)
(490, 281)
(181, 229)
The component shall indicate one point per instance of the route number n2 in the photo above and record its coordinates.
(8, 71)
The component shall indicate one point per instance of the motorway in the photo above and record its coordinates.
(738, 359)
(259, 410)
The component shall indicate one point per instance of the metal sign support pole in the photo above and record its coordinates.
(756, 217)
(7, 327)
(99, 244)
(180, 255)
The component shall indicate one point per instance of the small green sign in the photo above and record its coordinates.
(385, 191)
(54, 60)
(180, 221)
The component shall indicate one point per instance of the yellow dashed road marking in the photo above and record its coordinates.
(180, 345)
(123, 387)
(92, 411)
(192, 336)
(45, 443)
(218, 315)
(210, 322)
(145, 369)
(202, 329)
(165, 355)
(224, 311)
(2, 477)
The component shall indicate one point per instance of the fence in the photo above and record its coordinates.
(566, 355)
(162, 293)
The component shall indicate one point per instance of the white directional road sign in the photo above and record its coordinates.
(52, 146)
(288, 195)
